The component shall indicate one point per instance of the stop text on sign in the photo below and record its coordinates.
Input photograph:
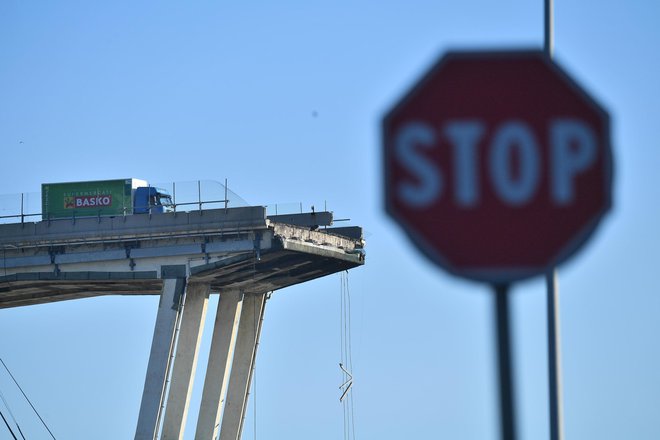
(496, 164)
(513, 155)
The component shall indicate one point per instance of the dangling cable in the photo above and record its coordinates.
(342, 328)
(350, 351)
(346, 364)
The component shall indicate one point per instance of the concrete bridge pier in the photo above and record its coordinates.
(159, 358)
(229, 371)
(223, 343)
(231, 363)
(185, 360)
(238, 389)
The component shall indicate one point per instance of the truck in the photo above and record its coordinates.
(102, 198)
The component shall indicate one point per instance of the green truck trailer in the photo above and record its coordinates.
(102, 198)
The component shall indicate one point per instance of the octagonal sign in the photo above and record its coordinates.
(498, 166)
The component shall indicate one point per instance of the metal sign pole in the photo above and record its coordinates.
(554, 358)
(554, 364)
(548, 45)
(505, 362)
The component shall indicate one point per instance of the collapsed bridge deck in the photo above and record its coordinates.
(234, 248)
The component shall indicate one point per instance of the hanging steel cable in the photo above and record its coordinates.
(346, 364)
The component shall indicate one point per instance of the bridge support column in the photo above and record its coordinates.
(238, 389)
(161, 349)
(185, 360)
(219, 365)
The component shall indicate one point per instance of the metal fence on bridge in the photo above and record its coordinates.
(186, 196)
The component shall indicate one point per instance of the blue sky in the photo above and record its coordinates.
(285, 100)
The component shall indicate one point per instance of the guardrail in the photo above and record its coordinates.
(202, 194)
(190, 194)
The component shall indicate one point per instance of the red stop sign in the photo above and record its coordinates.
(497, 165)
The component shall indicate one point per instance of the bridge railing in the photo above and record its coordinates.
(20, 208)
(295, 207)
(201, 194)
(186, 196)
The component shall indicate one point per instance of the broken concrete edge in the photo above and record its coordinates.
(318, 237)
(355, 256)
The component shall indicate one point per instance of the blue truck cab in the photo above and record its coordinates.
(149, 199)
